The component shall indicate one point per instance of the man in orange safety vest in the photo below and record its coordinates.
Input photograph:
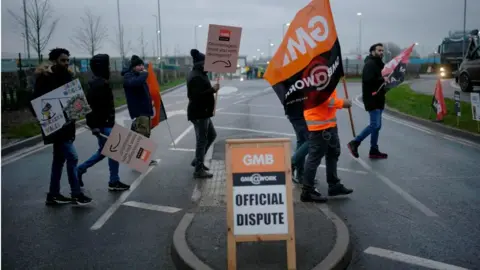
(323, 141)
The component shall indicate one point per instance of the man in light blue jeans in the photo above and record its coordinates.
(373, 129)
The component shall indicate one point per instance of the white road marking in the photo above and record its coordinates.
(101, 221)
(241, 100)
(256, 115)
(154, 207)
(405, 258)
(424, 129)
(409, 198)
(345, 170)
(184, 133)
(182, 149)
(258, 106)
(196, 194)
(257, 131)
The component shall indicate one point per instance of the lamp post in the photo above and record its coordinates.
(195, 34)
(160, 42)
(270, 45)
(359, 14)
(156, 37)
(464, 26)
(283, 29)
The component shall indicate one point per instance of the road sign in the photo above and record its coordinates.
(223, 47)
(259, 194)
(456, 97)
(475, 100)
(129, 147)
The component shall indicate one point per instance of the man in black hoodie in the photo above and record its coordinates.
(48, 78)
(102, 118)
(200, 109)
(374, 100)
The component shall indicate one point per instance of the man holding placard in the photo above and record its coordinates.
(49, 78)
(201, 104)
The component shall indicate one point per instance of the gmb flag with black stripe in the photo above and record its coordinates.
(308, 64)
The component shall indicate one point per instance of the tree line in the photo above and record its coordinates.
(38, 22)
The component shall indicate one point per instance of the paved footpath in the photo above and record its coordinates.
(417, 210)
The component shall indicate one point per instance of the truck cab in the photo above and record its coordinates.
(451, 53)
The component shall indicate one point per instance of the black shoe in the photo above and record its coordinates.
(118, 186)
(57, 199)
(202, 174)
(339, 189)
(153, 162)
(353, 147)
(376, 154)
(81, 199)
(80, 176)
(312, 195)
(194, 163)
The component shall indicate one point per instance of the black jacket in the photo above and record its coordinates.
(372, 80)
(200, 95)
(100, 95)
(49, 78)
(139, 101)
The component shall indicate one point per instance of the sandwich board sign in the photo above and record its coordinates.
(129, 147)
(259, 195)
(223, 48)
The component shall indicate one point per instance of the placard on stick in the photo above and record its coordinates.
(223, 47)
(259, 195)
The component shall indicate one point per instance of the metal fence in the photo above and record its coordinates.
(17, 84)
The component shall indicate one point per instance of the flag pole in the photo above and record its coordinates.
(216, 95)
(171, 136)
(349, 109)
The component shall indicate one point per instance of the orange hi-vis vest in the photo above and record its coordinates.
(324, 115)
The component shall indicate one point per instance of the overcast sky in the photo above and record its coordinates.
(402, 22)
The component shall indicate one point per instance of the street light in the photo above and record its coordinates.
(156, 36)
(359, 14)
(160, 42)
(195, 34)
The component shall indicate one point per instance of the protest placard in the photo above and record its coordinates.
(259, 194)
(223, 47)
(130, 148)
(66, 103)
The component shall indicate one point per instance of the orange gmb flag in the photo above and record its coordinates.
(438, 101)
(307, 66)
(159, 113)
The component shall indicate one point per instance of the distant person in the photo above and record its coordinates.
(372, 81)
(48, 78)
(139, 101)
(102, 118)
(323, 141)
(201, 103)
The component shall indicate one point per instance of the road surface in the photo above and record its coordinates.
(423, 201)
(426, 84)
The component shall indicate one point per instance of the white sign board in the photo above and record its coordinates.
(475, 100)
(50, 108)
(260, 203)
(129, 147)
(223, 47)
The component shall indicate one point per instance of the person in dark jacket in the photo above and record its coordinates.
(201, 103)
(374, 100)
(101, 119)
(48, 78)
(139, 101)
(294, 114)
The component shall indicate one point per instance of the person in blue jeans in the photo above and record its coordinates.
(101, 119)
(49, 77)
(373, 96)
(294, 113)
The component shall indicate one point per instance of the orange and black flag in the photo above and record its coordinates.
(159, 112)
(308, 63)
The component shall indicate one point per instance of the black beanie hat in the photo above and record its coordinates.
(198, 57)
(135, 61)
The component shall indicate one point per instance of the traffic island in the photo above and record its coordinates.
(200, 240)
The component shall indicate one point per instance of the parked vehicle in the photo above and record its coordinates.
(469, 71)
(451, 51)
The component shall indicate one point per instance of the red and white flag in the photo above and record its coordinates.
(438, 101)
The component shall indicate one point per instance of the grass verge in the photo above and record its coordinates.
(405, 100)
(31, 128)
